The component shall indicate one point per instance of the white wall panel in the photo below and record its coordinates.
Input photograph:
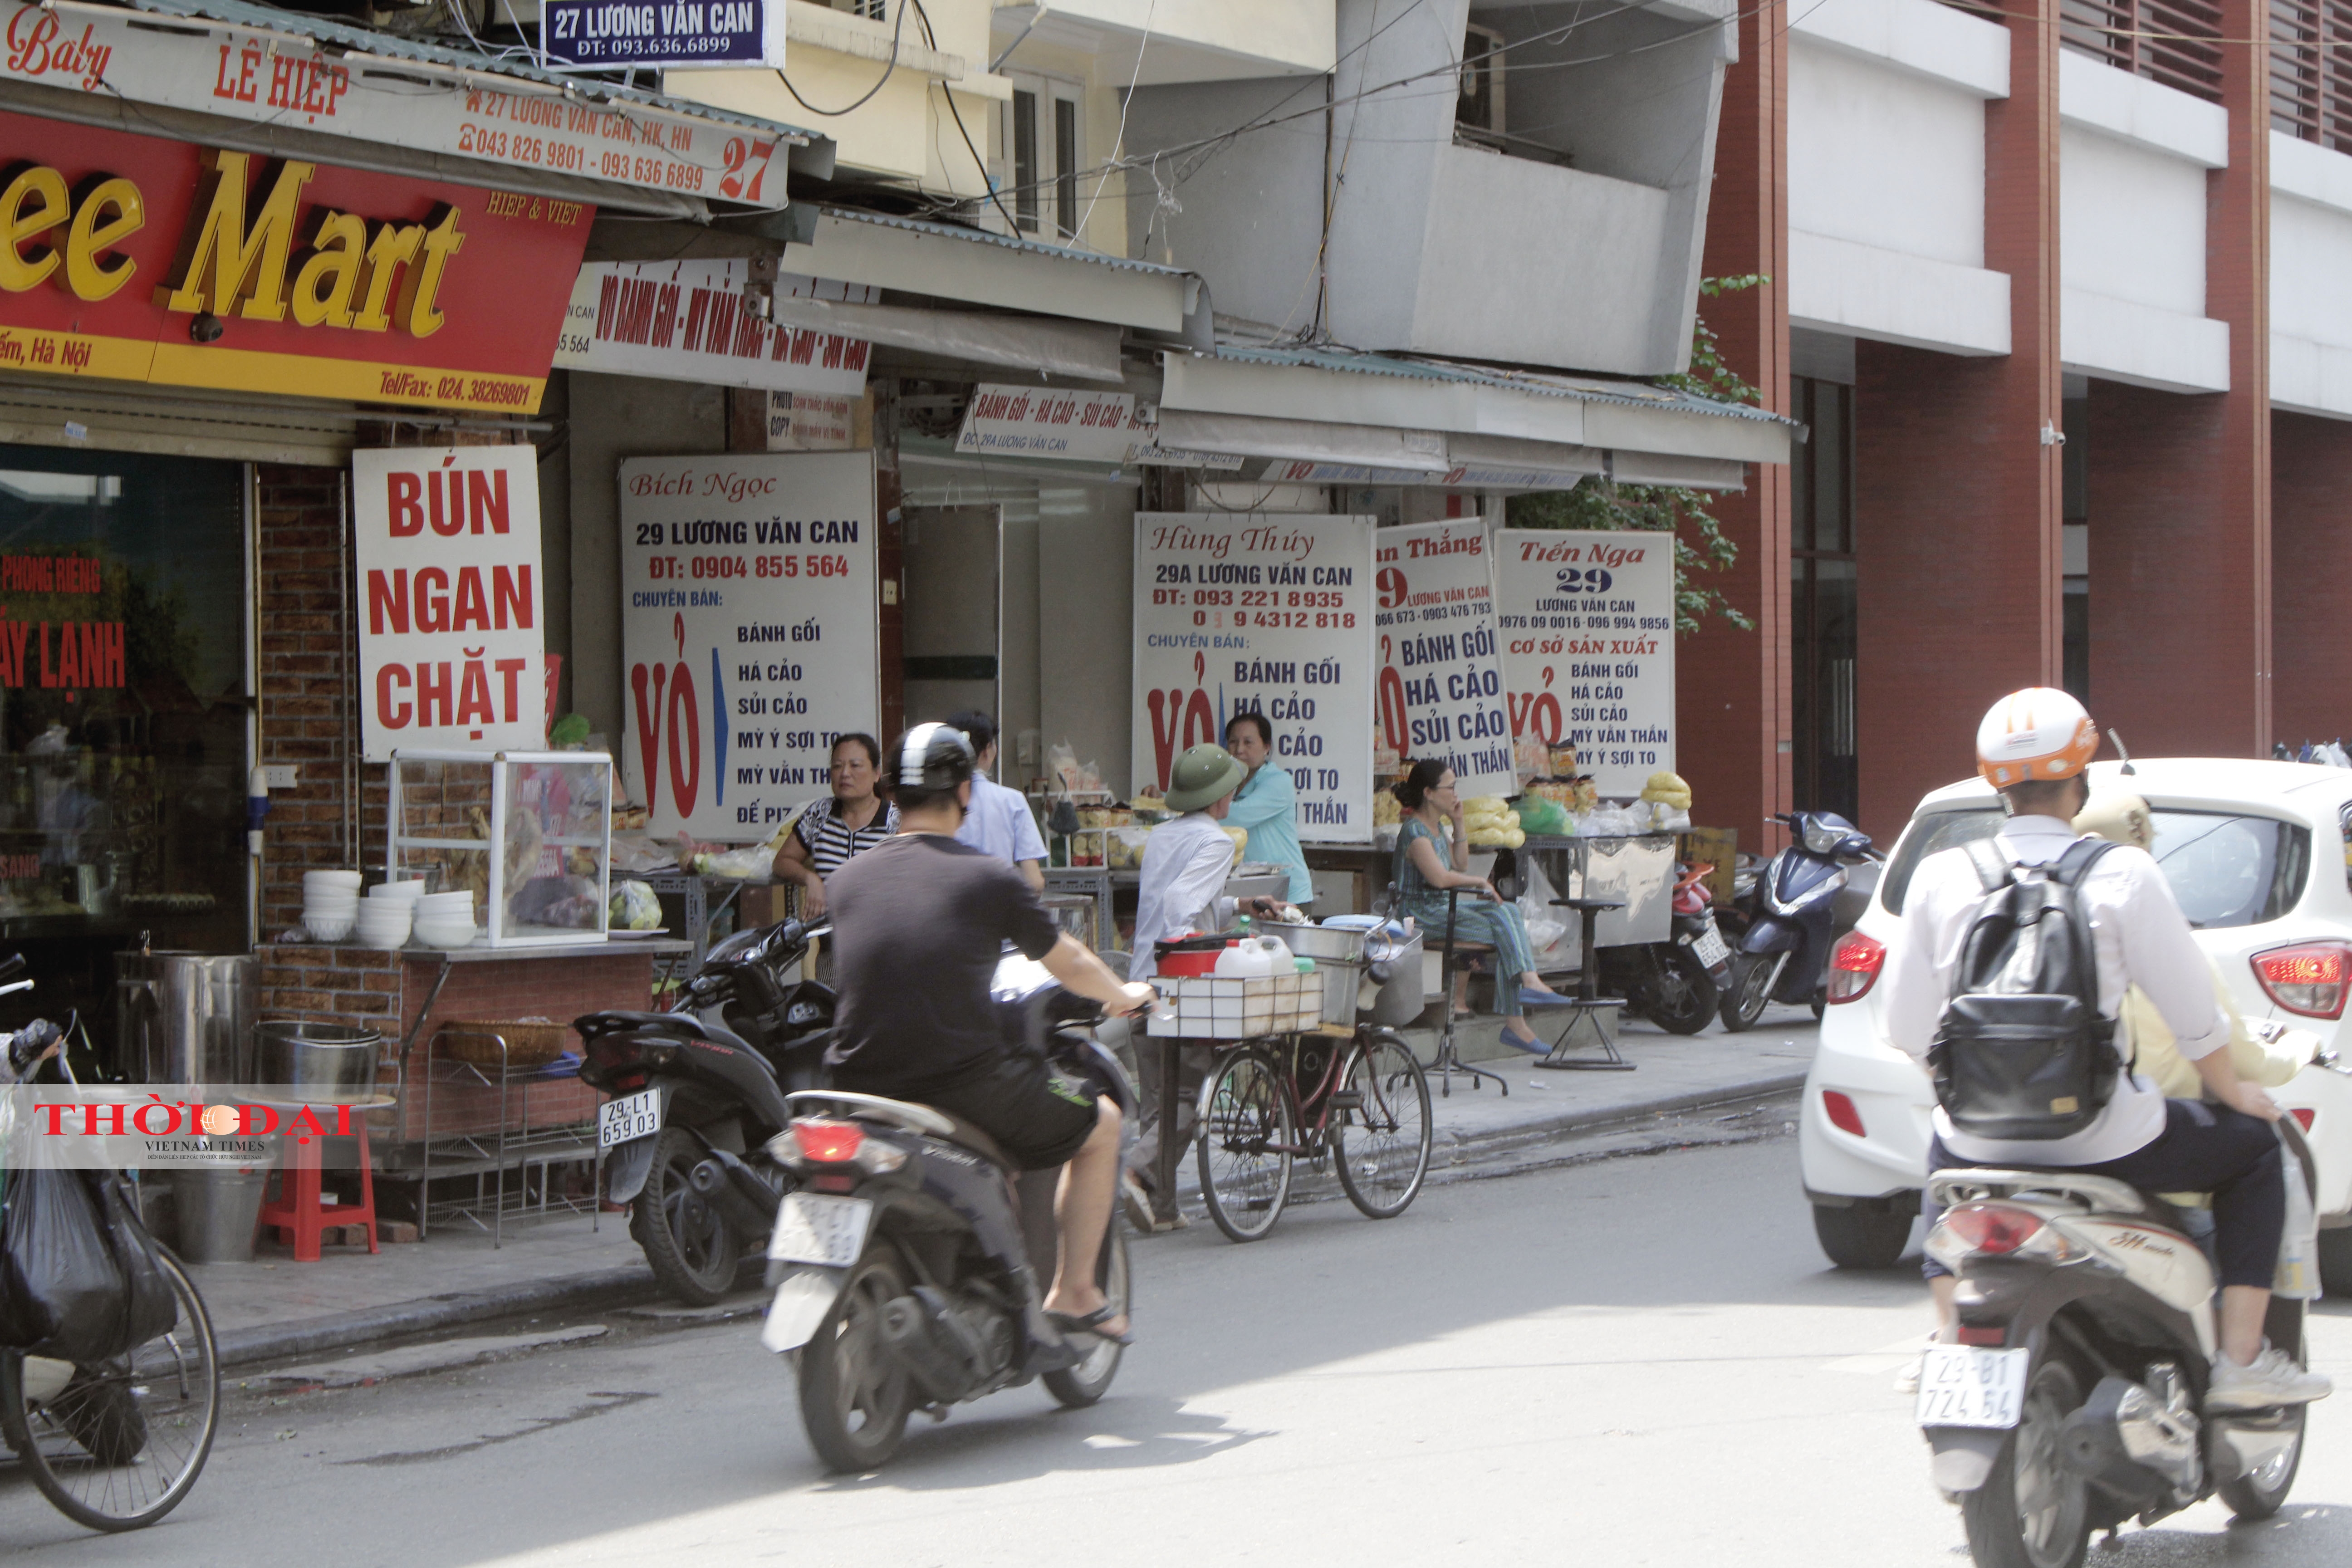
(1920, 37)
(2131, 222)
(2122, 339)
(1884, 158)
(1865, 291)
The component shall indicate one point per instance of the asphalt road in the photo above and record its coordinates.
(1641, 1360)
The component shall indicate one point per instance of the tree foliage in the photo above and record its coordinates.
(1701, 547)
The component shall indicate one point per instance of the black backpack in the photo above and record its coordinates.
(2022, 1051)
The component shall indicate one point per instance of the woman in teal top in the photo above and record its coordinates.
(1427, 865)
(1267, 805)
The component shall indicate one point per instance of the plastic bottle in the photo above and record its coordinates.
(1255, 958)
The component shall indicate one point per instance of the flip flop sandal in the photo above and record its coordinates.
(1091, 1323)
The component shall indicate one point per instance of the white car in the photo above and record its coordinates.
(2259, 856)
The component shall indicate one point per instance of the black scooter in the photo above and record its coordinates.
(2074, 1398)
(697, 1093)
(1784, 954)
(910, 1266)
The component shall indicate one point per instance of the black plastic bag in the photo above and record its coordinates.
(79, 1277)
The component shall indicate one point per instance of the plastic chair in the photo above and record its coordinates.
(299, 1214)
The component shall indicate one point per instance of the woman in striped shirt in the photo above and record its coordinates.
(853, 821)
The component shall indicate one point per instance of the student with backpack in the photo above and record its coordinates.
(2007, 984)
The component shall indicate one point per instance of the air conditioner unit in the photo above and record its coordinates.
(1481, 105)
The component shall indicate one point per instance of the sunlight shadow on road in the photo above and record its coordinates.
(2302, 1534)
(1139, 1432)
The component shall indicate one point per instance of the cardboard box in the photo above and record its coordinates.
(1719, 846)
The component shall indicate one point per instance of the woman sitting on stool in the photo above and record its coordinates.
(1427, 865)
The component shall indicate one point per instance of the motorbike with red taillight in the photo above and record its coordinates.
(910, 1263)
(2074, 1395)
(696, 1092)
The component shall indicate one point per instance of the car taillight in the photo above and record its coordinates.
(2304, 1116)
(827, 1143)
(2308, 979)
(1843, 1115)
(1854, 964)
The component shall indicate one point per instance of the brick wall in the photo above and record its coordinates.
(368, 988)
(307, 660)
(2311, 479)
(2175, 630)
(1731, 687)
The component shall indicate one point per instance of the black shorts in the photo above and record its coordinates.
(1037, 1114)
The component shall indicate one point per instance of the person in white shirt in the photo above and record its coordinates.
(1000, 822)
(2034, 746)
(1186, 863)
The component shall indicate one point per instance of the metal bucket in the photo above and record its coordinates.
(322, 1059)
(186, 1017)
(218, 1214)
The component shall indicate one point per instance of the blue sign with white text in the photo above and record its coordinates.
(670, 34)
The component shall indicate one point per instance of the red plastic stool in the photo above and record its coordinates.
(298, 1213)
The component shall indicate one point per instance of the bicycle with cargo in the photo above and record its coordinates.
(1307, 1065)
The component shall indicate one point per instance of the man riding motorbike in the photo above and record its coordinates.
(919, 924)
(2033, 747)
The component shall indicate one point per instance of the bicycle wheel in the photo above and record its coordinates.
(1383, 1128)
(121, 1442)
(1243, 1144)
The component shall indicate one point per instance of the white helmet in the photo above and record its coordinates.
(2037, 734)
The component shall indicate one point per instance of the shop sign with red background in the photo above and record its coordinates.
(326, 282)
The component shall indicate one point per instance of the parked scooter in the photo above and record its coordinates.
(1784, 954)
(2074, 1398)
(697, 1092)
(910, 1267)
(1675, 983)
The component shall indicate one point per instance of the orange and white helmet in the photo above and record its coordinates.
(2036, 734)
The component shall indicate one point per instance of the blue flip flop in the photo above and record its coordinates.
(1531, 997)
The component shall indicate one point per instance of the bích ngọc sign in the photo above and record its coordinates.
(750, 632)
(1441, 680)
(135, 258)
(451, 647)
(1260, 613)
(1588, 630)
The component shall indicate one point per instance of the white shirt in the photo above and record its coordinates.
(2141, 939)
(999, 823)
(1185, 865)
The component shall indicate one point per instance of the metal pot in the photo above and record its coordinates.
(322, 1059)
(186, 1017)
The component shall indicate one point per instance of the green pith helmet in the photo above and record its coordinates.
(1203, 775)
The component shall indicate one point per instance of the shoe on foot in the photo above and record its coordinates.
(1529, 996)
(1533, 1043)
(2273, 1379)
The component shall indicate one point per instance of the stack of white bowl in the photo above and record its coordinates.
(330, 902)
(446, 920)
(388, 912)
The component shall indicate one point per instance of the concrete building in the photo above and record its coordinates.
(2060, 301)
